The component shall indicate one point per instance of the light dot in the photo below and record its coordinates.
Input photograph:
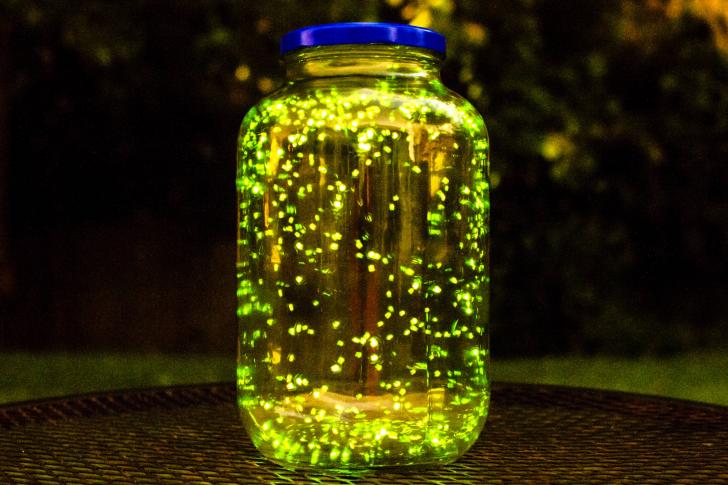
(265, 84)
(242, 73)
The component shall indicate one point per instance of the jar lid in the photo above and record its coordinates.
(363, 33)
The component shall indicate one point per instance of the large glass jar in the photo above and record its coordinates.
(363, 258)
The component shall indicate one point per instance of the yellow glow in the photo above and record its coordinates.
(422, 19)
(475, 32)
(242, 73)
(265, 84)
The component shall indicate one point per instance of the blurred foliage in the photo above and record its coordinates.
(609, 126)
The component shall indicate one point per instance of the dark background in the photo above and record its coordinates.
(609, 128)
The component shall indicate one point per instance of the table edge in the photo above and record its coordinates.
(112, 393)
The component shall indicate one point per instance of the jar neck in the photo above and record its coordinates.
(362, 60)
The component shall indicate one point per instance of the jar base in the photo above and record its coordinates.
(356, 469)
(339, 432)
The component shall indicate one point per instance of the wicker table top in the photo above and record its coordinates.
(535, 434)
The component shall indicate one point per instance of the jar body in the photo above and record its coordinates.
(363, 273)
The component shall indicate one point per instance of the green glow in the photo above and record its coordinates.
(363, 273)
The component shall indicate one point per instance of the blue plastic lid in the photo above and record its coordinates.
(363, 33)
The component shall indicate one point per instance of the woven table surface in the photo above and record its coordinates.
(534, 434)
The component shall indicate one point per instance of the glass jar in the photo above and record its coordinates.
(363, 258)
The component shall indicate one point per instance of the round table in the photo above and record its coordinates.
(534, 434)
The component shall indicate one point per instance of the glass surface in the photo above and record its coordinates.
(363, 274)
